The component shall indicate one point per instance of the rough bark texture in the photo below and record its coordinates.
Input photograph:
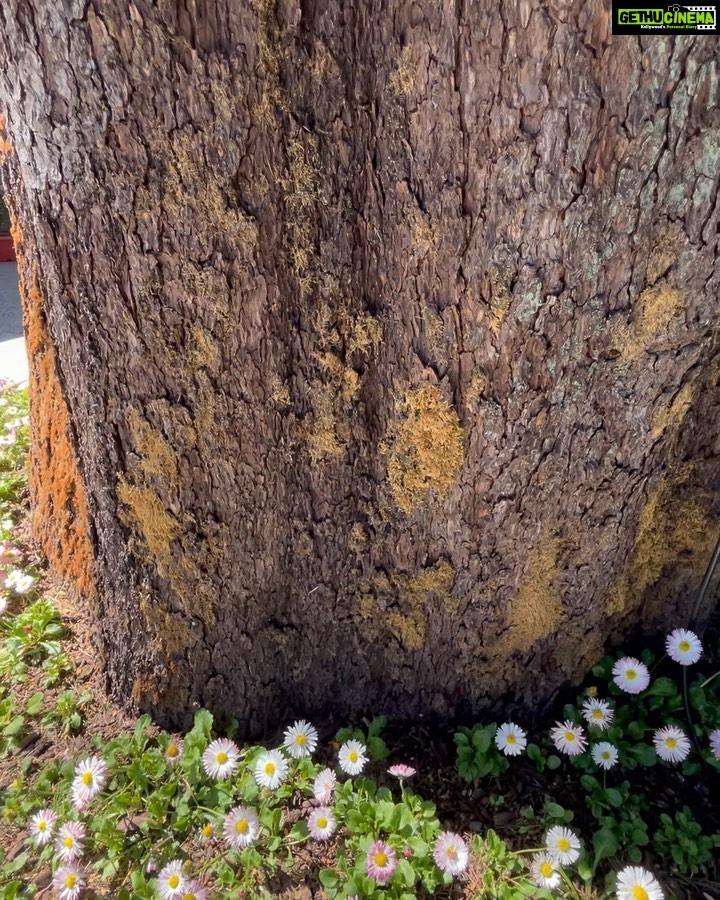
(387, 335)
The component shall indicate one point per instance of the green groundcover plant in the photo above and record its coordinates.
(148, 814)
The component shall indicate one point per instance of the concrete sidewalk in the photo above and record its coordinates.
(13, 361)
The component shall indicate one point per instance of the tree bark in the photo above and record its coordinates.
(386, 335)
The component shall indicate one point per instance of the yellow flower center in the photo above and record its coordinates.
(569, 737)
(631, 674)
(511, 739)
(172, 751)
(564, 845)
(69, 841)
(189, 896)
(546, 869)
(605, 754)
(42, 825)
(380, 859)
(322, 822)
(671, 744)
(207, 830)
(221, 758)
(301, 740)
(173, 881)
(597, 714)
(241, 826)
(87, 778)
(451, 853)
(269, 768)
(591, 691)
(683, 646)
(70, 880)
(352, 756)
(639, 893)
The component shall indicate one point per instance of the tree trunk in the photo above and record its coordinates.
(373, 344)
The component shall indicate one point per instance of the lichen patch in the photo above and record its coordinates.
(426, 449)
(536, 611)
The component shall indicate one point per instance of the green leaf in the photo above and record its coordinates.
(644, 754)
(614, 797)
(605, 844)
(481, 739)
(662, 687)
(15, 727)
(329, 878)
(553, 762)
(554, 810)
(35, 704)
(406, 872)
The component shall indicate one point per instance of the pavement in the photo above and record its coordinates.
(13, 361)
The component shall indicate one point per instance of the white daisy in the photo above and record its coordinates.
(451, 853)
(69, 844)
(173, 751)
(634, 883)
(221, 758)
(324, 786)
(545, 871)
(563, 845)
(683, 646)
(598, 713)
(604, 754)
(90, 776)
(321, 823)
(715, 743)
(271, 769)
(300, 739)
(630, 675)
(68, 882)
(42, 826)
(3, 605)
(352, 758)
(568, 738)
(241, 826)
(511, 739)
(671, 744)
(19, 582)
(171, 881)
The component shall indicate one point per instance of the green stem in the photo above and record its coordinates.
(708, 680)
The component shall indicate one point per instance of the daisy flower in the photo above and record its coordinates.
(351, 757)
(324, 786)
(42, 826)
(563, 845)
(381, 860)
(19, 582)
(402, 771)
(68, 882)
(511, 739)
(321, 823)
(568, 738)
(715, 743)
(91, 776)
(3, 605)
(634, 883)
(80, 795)
(194, 890)
(221, 758)
(683, 646)
(671, 744)
(207, 831)
(271, 769)
(171, 881)
(451, 853)
(597, 712)
(300, 739)
(545, 871)
(241, 826)
(630, 675)
(174, 751)
(69, 844)
(604, 755)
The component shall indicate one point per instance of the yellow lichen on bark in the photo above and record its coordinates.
(671, 414)
(410, 625)
(670, 533)
(657, 310)
(536, 611)
(60, 520)
(426, 449)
